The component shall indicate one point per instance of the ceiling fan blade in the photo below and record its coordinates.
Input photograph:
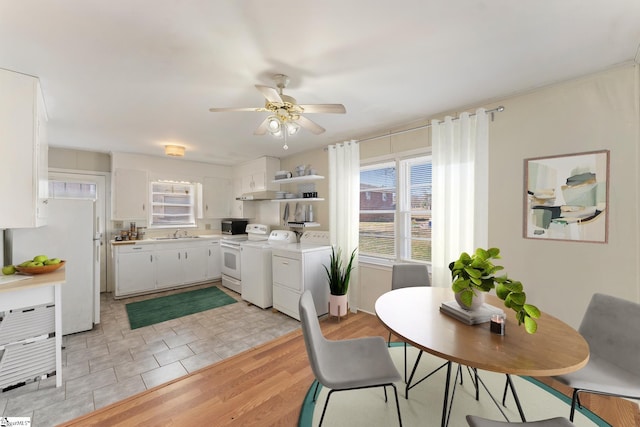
(221, 110)
(270, 93)
(323, 108)
(310, 125)
(262, 129)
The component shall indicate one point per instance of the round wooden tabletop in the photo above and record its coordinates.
(413, 314)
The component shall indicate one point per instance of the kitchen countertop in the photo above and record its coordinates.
(35, 281)
(152, 240)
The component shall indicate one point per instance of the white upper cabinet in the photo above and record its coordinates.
(23, 152)
(216, 198)
(129, 194)
(257, 175)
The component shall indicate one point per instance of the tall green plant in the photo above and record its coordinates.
(472, 273)
(339, 277)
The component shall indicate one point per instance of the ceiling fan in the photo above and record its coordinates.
(286, 114)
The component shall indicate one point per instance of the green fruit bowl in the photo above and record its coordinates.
(39, 270)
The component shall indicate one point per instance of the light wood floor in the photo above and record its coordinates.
(266, 386)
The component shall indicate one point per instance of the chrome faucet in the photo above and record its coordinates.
(175, 234)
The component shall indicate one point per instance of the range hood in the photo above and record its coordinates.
(258, 195)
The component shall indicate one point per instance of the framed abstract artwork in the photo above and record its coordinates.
(566, 197)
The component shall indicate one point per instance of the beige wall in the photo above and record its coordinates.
(64, 158)
(592, 113)
(596, 112)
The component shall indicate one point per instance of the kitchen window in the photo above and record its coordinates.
(172, 204)
(395, 210)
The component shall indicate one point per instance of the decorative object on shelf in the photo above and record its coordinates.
(339, 277)
(475, 274)
(566, 197)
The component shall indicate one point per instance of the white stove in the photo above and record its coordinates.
(298, 267)
(231, 263)
(257, 285)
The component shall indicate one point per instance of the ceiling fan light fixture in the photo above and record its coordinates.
(274, 124)
(174, 150)
(292, 128)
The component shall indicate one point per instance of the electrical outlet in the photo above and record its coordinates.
(118, 224)
(207, 226)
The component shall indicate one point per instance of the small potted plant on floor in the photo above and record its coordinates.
(339, 277)
(474, 275)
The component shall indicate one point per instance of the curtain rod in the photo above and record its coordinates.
(498, 109)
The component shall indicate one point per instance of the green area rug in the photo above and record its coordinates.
(156, 310)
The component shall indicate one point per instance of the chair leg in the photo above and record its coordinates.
(389, 340)
(384, 387)
(395, 392)
(325, 407)
(574, 400)
(315, 391)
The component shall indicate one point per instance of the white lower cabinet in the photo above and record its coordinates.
(297, 271)
(135, 269)
(214, 260)
(150, 267)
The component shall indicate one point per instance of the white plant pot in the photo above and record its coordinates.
(337, 305)
(476, 302)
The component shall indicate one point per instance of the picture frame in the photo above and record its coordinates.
(566, 197)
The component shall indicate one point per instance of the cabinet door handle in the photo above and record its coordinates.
(186, 255)
(179, 255)
(150, 258)
(143, 207)
(285, 263)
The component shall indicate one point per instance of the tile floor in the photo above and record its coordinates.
(112, 362)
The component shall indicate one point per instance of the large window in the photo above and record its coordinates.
(395, 210)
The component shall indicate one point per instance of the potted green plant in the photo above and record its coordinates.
(339, 278)
(475, 274)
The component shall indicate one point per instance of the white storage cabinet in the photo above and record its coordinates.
(23, 151)
(214, 260)
(129, 194)
(296, 271)
(135, 269)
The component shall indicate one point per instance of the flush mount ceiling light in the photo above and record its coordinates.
(174, 150)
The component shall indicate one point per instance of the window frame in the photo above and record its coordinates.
(403, 213)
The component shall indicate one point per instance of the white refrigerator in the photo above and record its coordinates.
(69, 235)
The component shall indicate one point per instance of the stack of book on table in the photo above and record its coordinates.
(480, 315)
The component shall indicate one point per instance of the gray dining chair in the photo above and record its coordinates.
(405, 276)
(551, 422)
(611, 327)
(347, 364)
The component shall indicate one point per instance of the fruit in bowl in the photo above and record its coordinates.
(38, 265)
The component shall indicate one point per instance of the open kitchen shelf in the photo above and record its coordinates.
(299, 199)
(298, 179)
(294, 224)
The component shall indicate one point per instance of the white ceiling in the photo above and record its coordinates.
(131, 76)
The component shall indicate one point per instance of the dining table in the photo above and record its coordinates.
(413, 314)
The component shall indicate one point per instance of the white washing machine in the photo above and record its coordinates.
(255, 253)
(298, 267)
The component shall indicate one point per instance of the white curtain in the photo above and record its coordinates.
(460, 190)
(344, 205)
